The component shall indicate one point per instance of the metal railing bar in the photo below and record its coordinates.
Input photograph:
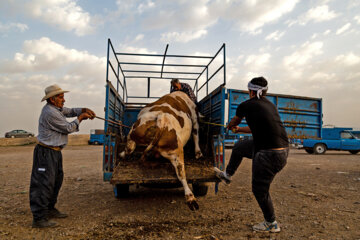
(160, 77)
(138, 71)
(141, 97)
(214, 57)
(113, 70)
(162, 67)
(211, 76)
(160, 55)
(112, 47)
(159, 64)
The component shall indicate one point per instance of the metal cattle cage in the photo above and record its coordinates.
(136, 79)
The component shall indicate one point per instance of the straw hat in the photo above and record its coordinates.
(52, 90)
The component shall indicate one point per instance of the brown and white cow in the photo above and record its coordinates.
(165, 126)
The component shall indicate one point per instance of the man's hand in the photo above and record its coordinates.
(234, 122)
(91, 114)
(236, 129)
(85, 116)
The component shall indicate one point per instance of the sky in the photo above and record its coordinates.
(305, 48)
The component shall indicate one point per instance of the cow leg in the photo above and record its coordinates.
(177, 160)
(195, 134)
(130, 147)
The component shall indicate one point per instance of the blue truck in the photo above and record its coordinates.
(97, 137)
(334, 138)
(133, 80)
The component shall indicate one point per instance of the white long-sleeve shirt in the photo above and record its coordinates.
(53, 126)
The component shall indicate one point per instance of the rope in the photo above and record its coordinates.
(112, 122)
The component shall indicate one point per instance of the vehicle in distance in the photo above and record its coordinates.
(96, 137)
(18, 134)
(337, 138)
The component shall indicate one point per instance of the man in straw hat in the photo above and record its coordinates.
(269, 148)
(47, 171)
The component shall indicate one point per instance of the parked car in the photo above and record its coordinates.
(18, 134)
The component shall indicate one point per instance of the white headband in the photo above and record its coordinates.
(257, 88)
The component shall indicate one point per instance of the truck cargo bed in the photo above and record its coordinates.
(133, 171)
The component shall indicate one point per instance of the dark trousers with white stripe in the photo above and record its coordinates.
(266, 164)
(46, 180)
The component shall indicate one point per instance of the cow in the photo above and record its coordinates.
(165, 126)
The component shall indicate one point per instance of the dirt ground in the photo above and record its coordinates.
(315, 197)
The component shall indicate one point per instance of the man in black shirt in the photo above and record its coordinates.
(268, 148)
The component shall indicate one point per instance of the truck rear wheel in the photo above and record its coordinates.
(121, 190)
(200, 189)
(354, 151)
(319, 148)
(309, 151)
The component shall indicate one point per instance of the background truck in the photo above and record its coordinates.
(132, 81)
(97, 137)
(336, 138)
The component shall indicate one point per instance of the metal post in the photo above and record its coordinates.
(224, 65)
(207, 81)
(148, 92)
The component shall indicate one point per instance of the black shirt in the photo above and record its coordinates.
(264, 121)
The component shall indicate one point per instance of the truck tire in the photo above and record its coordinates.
(96, 143)
(200, 189)
(319, 148)
(309, 151)
(354, 151)
(121, 190)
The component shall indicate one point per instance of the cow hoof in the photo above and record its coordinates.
(191, 202)
(198, 155)
(193, 205)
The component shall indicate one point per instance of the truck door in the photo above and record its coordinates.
(213, 108)
(114, 110)
(348, 142)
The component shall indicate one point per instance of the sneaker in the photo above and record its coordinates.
(222, 175)
(43, 223)
(54, 213)
(267, 227)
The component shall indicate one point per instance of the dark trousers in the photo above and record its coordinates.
(46, 180)
(266, 164)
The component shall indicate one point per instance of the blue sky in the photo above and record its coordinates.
(307, 48)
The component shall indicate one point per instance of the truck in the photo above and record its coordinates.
(96, 137)
(134, 79)
(334, 138)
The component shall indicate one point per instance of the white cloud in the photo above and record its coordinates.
(343, 29)
(323, 77)
(319, 14)
(350, 59)
(6, 27)
(65, 14)
(257, 61)
(250, 16)
(327, 32)
(316, 14)
(181, 18)
(44, 55)
(139, 37)
(275, 36)
(302, 56)
(357, 19)
(182, 36)
(145, 6)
